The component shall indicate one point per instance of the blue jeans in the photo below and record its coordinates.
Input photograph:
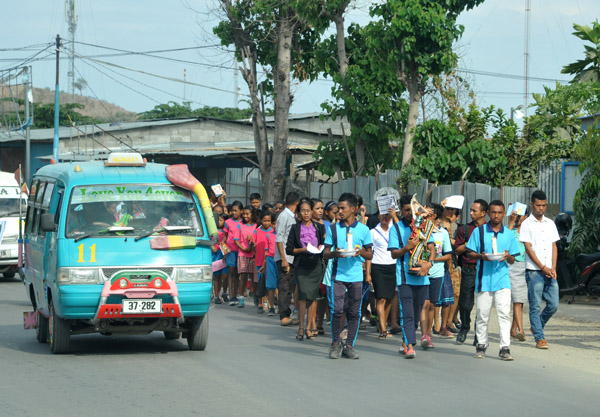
(540, 286)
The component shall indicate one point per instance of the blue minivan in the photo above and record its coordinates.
(116, 247)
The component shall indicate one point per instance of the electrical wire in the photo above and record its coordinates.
(178, 80)
(147, 85)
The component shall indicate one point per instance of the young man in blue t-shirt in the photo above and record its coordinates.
(412, 288)
(347, 273)
(492, 281)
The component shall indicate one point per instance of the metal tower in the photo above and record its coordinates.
(71, 18)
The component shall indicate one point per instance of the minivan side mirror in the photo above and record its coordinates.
(47, 223)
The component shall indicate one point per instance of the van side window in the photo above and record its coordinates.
(59, 195)
(30, 207)
(45, 205)
(37, 205)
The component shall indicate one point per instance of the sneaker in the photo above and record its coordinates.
(271, 311)
(218, 300)
(233, 301)
(505, 354)
(541, 344)
(425, 342)
(433, 331)
(240, 303)
(225, 297)
(462, 336)
(431, 345)
(349, 353)
(260, 310)
(479, 352)
(453, 330)
(335, 351)
(445, 333)
(410, 354)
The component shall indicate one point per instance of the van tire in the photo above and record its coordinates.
(41, 331)
(197, 337)
(8, 275)
(60, 332)
(172, 335)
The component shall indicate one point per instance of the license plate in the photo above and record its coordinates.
(142, 306)
(5, 253)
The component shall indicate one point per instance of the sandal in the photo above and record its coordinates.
(320, 330)
(382, 335)
(312, 335)
(300, 336)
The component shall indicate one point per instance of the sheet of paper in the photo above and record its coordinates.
(455, 201)
(520, 208)
(386, 202)
(217, 189)
(313, 249)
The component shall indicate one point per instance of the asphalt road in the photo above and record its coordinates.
(254, 367)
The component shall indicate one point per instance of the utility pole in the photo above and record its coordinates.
(28, 121)
(56, 104)
(527, 35)
(184, 81)
(71, 18)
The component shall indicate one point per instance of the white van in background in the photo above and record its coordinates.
(13, 205)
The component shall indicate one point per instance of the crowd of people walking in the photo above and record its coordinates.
(411, 269)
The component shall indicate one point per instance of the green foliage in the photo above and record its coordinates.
(173, 110)
(586, 236)
(443, 152)
(375, 117)
(44, 115)
(587, 69)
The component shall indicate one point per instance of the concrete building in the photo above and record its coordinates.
(207, 145)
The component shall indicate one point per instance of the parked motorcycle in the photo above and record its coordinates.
(581, 275)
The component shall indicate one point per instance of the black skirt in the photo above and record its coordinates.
(309, 281)
(384, 280)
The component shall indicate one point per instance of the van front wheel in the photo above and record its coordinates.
(197, 337)
(60, 332)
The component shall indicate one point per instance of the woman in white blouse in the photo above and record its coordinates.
(381, 271)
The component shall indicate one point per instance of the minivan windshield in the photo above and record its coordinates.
(131, 210)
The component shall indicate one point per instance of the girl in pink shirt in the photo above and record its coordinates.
(246, 245)
(231, 231)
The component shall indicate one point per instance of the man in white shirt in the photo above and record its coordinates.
(285, 262)
(539, 235)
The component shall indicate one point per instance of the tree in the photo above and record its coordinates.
(413, 39)
(274, 34)
(587, 69)
(173, 110)
(375, 117)
(80, 84)
(43, 115)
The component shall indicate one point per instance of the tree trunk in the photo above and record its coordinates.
(281, 83)
(414, 97)
(338, 18)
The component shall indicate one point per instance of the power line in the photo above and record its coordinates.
(30, 59)
(508, 76)
(146, 85)
(119, 82)
(159, 76)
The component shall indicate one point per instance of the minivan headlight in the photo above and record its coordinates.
(194, 274)
(67, 276)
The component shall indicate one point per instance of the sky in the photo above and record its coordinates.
(493, 42)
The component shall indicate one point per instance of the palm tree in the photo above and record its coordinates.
(587, 69)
